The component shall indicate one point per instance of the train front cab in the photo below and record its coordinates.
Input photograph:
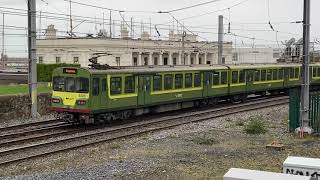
(70, 95)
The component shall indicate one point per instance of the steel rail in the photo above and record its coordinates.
(137, 128)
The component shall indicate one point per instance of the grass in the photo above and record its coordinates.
(204, 140)
(256, 125)
(21, 89)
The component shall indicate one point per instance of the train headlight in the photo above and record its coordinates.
(55, 100)
(81, 102)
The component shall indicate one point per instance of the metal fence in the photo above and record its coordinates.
(294, 110)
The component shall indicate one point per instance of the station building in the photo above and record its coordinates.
(125, 51)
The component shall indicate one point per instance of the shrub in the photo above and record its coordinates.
(44, 71)
(255, 126)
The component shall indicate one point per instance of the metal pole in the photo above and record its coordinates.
(70, 11)
(220, 39)
(110, 24)
(304, 117)
(2, 53)
(184, 34)
(32, 55)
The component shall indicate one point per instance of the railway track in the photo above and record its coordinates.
(106, 134)
(34, 125)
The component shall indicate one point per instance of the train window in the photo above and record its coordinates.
(95, 86)
(280, 73)
(263, 75)
(215, 77)
(291, 73)
(197, 80)
(296, 73)
(115, 85)
(269, 74)
(314, 72)
(82, 85)
(104, 85)
(241, 76)
(275, 74)
(157, 83)
(188, 80)
(129, 84)
(70, 84)
(235, 75)
(318, 72)
(178, 83)
(168, 82)
(257, 75)
(224, 77)
(58, 83)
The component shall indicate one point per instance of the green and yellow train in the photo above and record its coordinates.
(82, 95)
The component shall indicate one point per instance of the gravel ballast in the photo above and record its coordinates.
(204, 150)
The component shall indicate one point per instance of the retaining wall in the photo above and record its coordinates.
(15, 107)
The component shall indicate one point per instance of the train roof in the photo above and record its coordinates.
(152, 69)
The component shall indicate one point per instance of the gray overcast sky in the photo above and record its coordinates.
(247, 19)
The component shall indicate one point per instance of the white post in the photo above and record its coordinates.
(160, 59)
(188, 59)
(206, 57)
(197, 59)
(180, 58)
(150, 59)
(140, 59)
(170, 58)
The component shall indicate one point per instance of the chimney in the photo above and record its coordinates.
(51, 32)
(145, 36)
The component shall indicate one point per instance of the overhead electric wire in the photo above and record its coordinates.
(189, 7)
(110, 9)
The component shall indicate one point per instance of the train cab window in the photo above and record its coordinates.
(82, 85)
(215, 78)
(263, 75)
(296, 73)
(197, 80)
(95, 86)
(281, 74)
(129, 84)
(104, 85)
(224, 77)
(157, 83)
(235, 75)
(257, 75)
(178, 81)
(115, 85)
(242, 77)
(58, 83)
(70, 84)
(269, 74)
(291, 73)
(275, 74)
(188, 80)
(168, 82)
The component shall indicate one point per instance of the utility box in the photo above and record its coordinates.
(245, 174)
(302, 166)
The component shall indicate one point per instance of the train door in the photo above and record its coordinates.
(95, 92)
(206, 83)
(104, 92)
(286, 76)
(249, 80)
(144, 83)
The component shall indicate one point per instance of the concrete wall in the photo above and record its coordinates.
(253, 56)
(15, 107)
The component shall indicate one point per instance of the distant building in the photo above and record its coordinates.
(126, 51)
(254, 56)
